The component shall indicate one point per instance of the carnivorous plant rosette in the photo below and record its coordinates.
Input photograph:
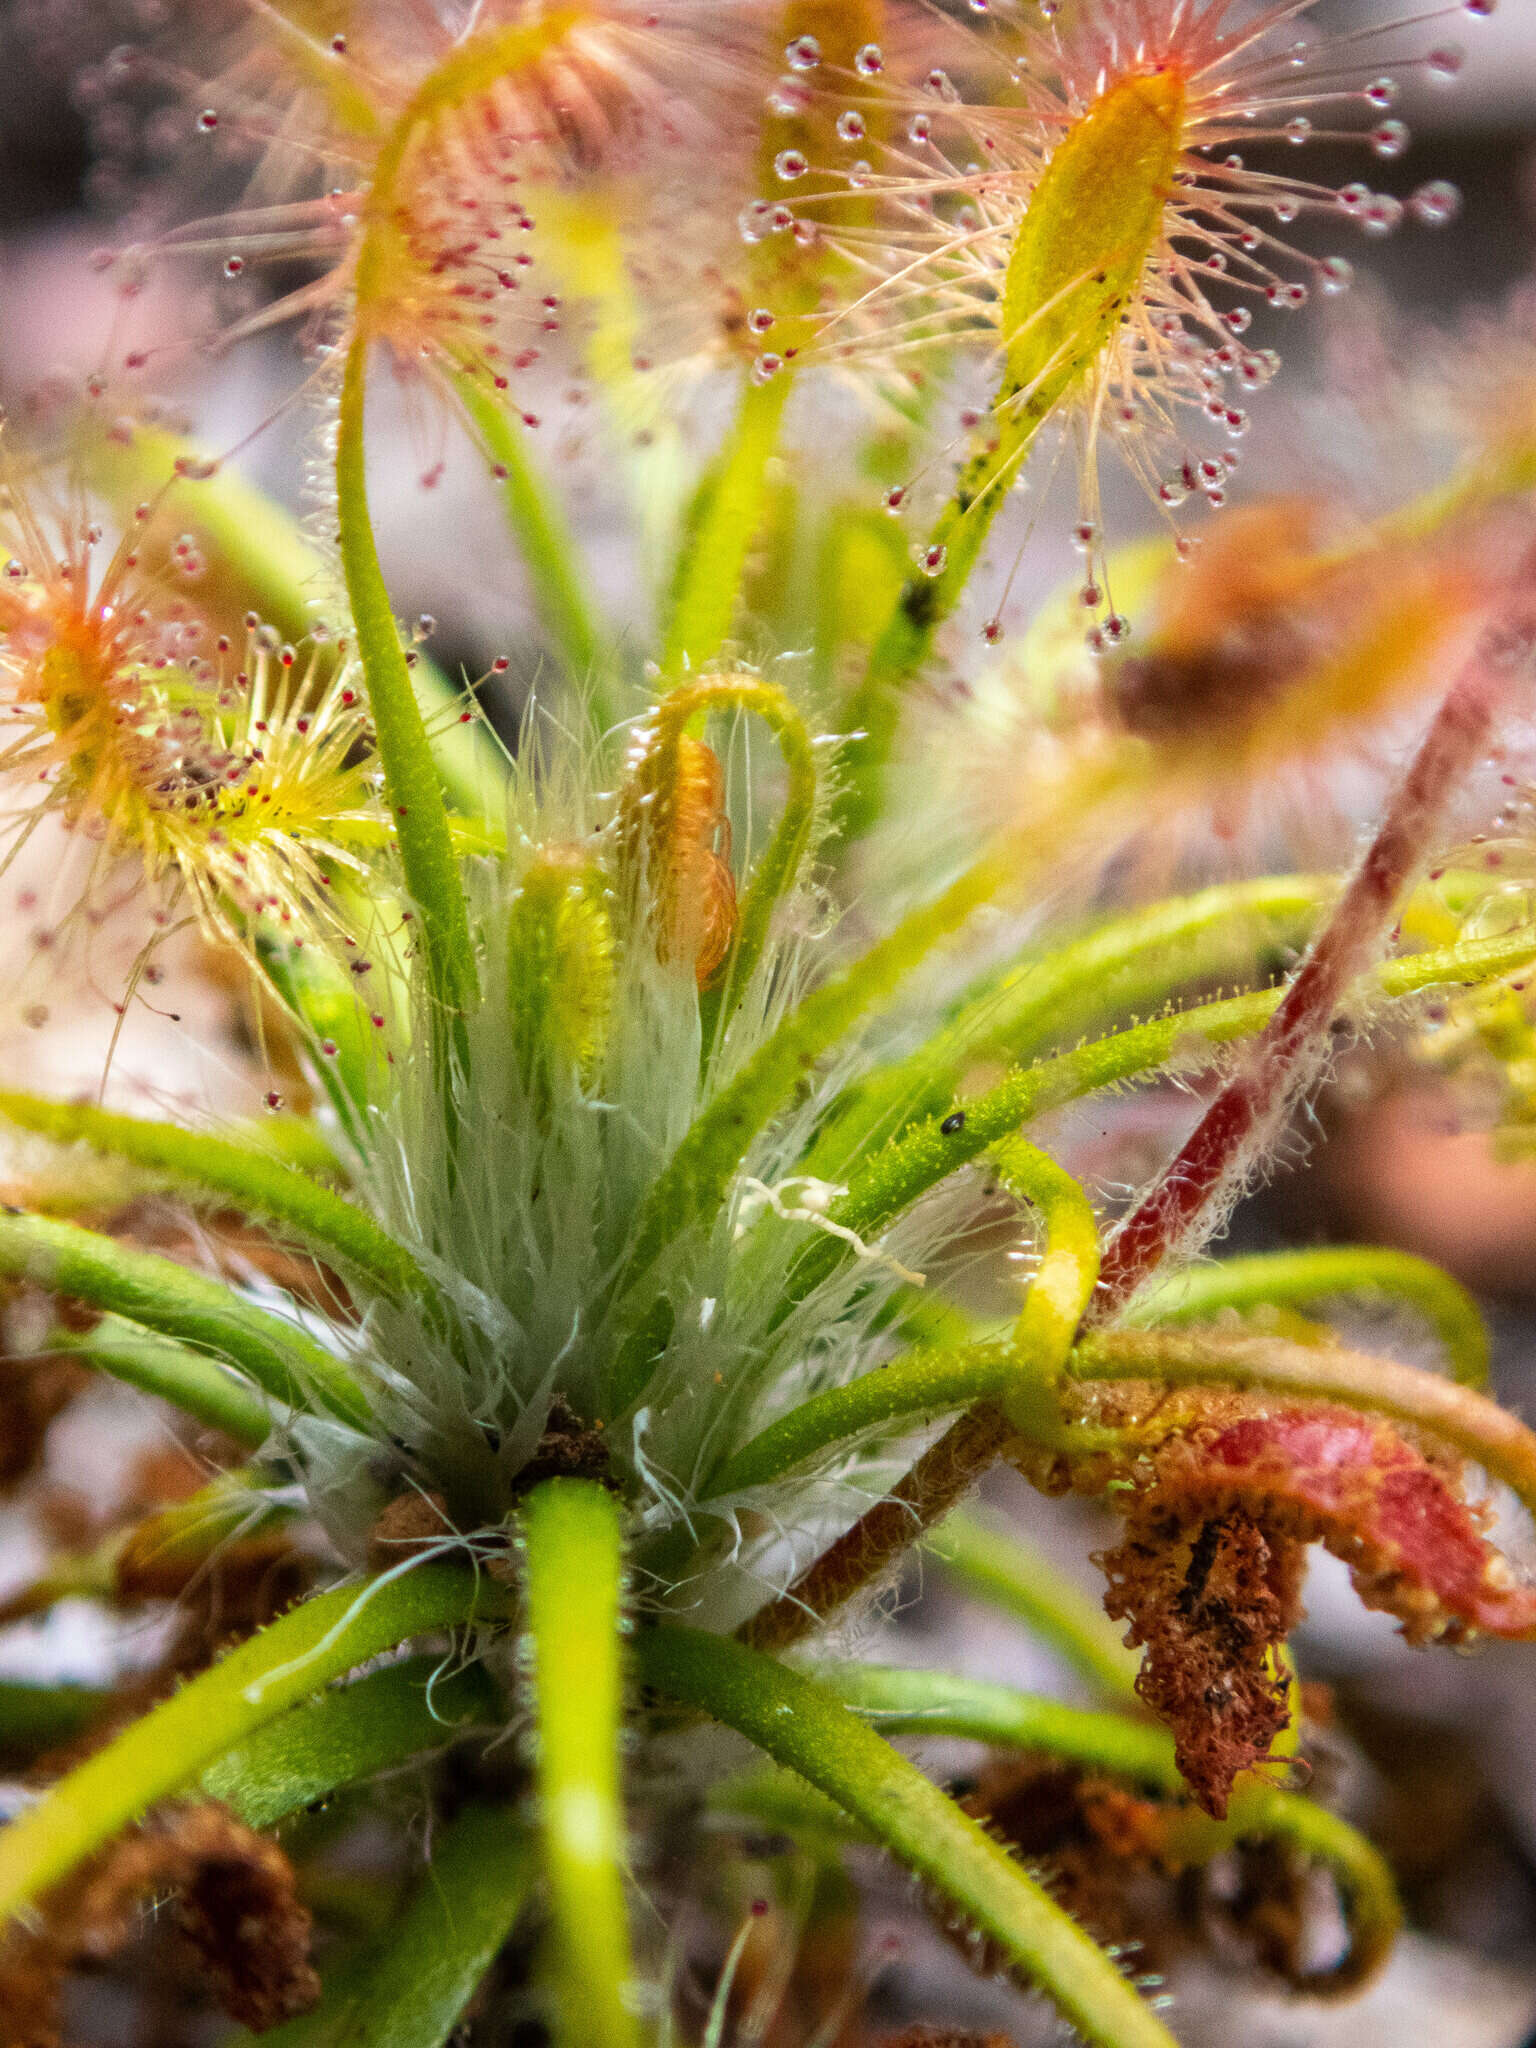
(607, 1330)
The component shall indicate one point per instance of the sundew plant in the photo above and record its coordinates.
(672, 1210)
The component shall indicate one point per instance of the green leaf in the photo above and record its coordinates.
(574, 1564)
(195, 1384)
(1271, 1279)
(167, 1749)
(932, 1703)
(409, 1988)
(239, 1174)
(725, 517)
(173, 1300)
(350, 1733)
(799, 1724)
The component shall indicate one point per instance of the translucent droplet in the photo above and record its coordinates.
(1382, 92)
(1336, 274)
(850, 125)
(207, 121)
(803, 54)
(1390, 139)
(1435, 203)
(233, 265)
(1381, 214)
(932, 560)
(790, 164)
(870, 61)
(1298, 130)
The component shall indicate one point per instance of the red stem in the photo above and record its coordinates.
(1183, 1202)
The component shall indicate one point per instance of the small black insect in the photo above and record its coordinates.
(954, 1123)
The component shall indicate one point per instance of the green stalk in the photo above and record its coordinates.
(325, 1222)
(412, 784)
(574, 1567)
(350, 1733)
(1477, 1427)
(409, 1987)
(801, 1725)
(933, 1703)
(1014, 1575)
(274, 570)
(918, 1384)
(706, 583)
(1270, 1279)
(929, 1153)
(1131, 963)
(1092, 224)
(224, 1706)
(549, 550)
(171, 1372)
(162, 1296)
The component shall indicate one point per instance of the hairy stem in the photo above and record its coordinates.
(864, 1554)
(1187, 1197)
(932, 1150)
(574, 1567)
(803, 1727)
(919, 1383)
(695, 1181)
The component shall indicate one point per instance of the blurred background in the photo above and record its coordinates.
(1440, 1754)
